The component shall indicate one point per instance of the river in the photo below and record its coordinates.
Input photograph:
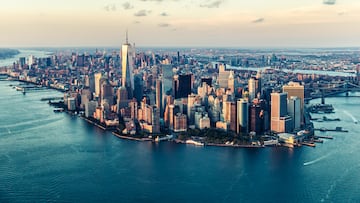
(47, 156)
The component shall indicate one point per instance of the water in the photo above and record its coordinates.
(47, 156)
(23, 53)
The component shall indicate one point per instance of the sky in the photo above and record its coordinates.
(185, 23)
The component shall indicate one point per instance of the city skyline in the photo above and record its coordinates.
(203, 23)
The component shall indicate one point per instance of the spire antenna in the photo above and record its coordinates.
(127, 40)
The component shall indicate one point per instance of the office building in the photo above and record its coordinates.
(294, 111)
(127, 78)
(296, 89)
(182, 85)
(97, 77)
(242, 116)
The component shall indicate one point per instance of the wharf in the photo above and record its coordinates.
(131, 138)
(324, 137)
(309, 144)
(337, 129)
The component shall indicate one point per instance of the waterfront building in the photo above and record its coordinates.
(204, 122)
(242, 116)
(256, 118)
(71, 104)
(90, 108)
(233, 116)
(180, 123)
(296, 89)
(294, 110)
(127, 78)
(280, 121)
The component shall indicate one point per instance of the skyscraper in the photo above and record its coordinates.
(242, 113)
(97, 84)
(158, 96)
(294, 110)
(181, 86)
(254, 89)
(167, 76)
(280, 121)
(127, 67)
(295, 89)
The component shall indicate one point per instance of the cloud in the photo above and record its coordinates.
(214, 4)
(259, 20)
(164, 25)
(127, 6)
(329, 2)
(142, 13)
(110, 7)
(164, 14)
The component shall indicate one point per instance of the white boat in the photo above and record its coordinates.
(167, 137)
(193, 142)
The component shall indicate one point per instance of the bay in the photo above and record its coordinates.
(47, 156)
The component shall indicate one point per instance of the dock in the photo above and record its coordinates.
(309, 144)
(324, 137)
(337, 129)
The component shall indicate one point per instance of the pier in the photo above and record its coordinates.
(337, 129)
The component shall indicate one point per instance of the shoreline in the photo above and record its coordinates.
(134, 138)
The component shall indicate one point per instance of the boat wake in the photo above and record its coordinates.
(351, 116)
(316, 160)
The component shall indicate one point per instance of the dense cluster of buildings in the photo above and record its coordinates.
(151, 93)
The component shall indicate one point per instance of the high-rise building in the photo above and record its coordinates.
(242, 116)
(138, 87)
(296, 89)
(279, 117)
(158, 96)
(223, 78)
(254, 89)
(127, 67)
(231, 82)
(182, 86)
(294, 110)
(97, 77)
(106, 92)
(256, 119)
(167, 76)
(233, 116)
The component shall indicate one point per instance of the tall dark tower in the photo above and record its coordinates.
(182, 86)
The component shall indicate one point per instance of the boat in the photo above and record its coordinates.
(193, 142)
(167, 137)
